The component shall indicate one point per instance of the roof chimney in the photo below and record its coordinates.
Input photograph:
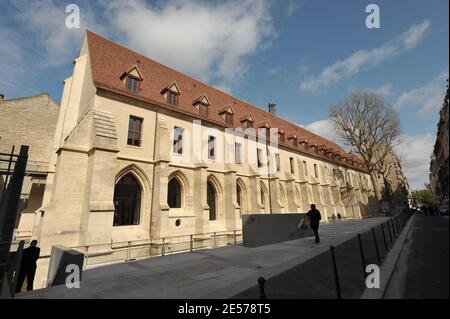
(272, 107)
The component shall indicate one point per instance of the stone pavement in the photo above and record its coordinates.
(223, 272)
(423, 267)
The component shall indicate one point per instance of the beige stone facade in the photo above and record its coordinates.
(393, 185)
(93, 155)
(29, 121)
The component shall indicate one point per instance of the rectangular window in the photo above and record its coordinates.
(259, 157)
(315, 171)
(211, 147)
(248, 124)
(172, 98)
(178, 140)
(134, 131)
(305, 167)
(277, 161)
(293, 141)
(280, 137)
(132, 84)
(291, 163)
(202, 109)
(238, 153)
(228, 118)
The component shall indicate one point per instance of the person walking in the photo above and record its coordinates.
(28, 266)
(314, 217)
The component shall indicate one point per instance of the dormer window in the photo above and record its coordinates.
(303, 142)
(172, 98)
(171, 92)
(280, 135)
(314, 147)
(201, 104)
(132, 84)
(132, 79)
(264, 128)
(227, 115)
(292, 140)
(247, 121)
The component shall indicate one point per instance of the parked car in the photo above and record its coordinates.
(443, 210)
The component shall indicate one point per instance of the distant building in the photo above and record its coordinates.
(29, 121)
(439, 170)
(393, 185)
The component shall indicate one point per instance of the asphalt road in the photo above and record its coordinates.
(423, 267)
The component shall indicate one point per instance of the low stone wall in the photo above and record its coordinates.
(265, 229)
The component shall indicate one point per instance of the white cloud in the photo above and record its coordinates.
(427, 98)
(292, 6)
(46, 21)
(210, 41)
(364, 58)
(384, 90)
(414, 153)
(323, 128)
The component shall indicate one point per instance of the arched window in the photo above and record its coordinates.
(212, 201)
(127, 201)
(239, 197)
(174, 193)
(263, 197)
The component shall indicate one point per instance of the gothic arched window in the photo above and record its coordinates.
(127, 201)
(174, 193)
(212, 201)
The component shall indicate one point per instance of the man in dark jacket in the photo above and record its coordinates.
(314, 218)
(28, 266)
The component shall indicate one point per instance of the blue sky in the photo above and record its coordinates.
(307, 54)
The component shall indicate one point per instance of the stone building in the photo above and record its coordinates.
(393, 185)
(144, 152)
(439, 170)
(29, 121)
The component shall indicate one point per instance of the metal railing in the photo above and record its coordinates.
(125, 251)
(373, 246)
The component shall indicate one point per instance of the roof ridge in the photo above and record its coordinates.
(252, 109)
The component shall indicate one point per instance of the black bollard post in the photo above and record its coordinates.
(394, 232)
(363, 260)
(384, 238)
(390, 233)
(336, 275)
(376, 246)
(261, 282)
(397, 225)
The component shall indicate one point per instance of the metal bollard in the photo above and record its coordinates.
(163, 249)
(86, 256)
(235, 239)
(261, 282)
(394, 231)
(363, 260)
(376, 246)
(384, 238)
(390, 233)
(336, 275)
(129, 251)
(397, 225)
(191, 243)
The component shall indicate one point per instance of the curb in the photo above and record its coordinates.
(389, 264)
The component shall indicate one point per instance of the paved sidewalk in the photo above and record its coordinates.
(210, 273)
(423, 267)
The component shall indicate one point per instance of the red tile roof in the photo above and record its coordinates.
(110, 60)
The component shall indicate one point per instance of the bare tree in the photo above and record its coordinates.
(370, 127)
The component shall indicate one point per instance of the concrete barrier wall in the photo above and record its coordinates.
(262, 229)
